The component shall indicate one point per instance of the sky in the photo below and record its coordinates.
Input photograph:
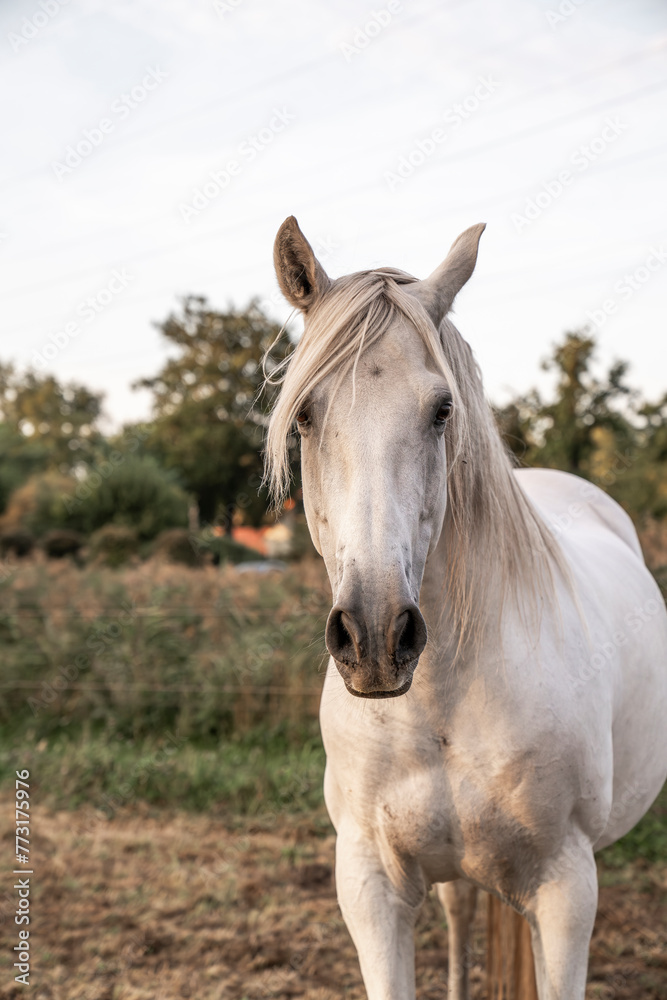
(152, 148)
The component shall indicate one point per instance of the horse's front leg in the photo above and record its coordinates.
(459, 899)
(562, 913)
(380, 907)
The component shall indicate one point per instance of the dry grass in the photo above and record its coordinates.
(62, 587)
(156, 647)
(159, 905)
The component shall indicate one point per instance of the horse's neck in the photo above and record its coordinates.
(436, 606)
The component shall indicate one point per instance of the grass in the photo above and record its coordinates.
(257, 774)
(200, 653)
(253, 774)
(647, 840)
(166, 903)
(173, 686)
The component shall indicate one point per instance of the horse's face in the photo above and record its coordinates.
(374, 484)
(374, 470)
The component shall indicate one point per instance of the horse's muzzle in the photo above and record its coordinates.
(376, 662)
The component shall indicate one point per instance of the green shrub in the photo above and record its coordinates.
(135, 493)
(177, 545)
(18, 542)
(203, 654)
(225, 550)
(113, 544)
(41, 505)
(62, 542)
(20, 457)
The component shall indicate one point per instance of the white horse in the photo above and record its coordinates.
(529, 730)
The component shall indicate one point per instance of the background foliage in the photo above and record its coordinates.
(209, 408)
(202, 449)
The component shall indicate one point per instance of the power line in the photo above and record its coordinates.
(653, 47)
(553, 123)
(512, 102)
(463, 154)
(315, 62)
(517, 193)
(154, 616)
(153, 253)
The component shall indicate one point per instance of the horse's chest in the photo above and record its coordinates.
(415, 820)
(453, 824)
(483, 801)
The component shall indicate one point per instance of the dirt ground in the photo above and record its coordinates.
(164, 905)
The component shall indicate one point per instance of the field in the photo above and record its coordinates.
(180, 845)
(159, 904)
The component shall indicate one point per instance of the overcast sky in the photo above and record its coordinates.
(386, 128)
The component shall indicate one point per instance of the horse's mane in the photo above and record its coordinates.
(489, 521)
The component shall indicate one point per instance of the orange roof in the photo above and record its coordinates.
(252, 538)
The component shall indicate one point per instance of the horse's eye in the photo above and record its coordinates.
(443, 414)
(302, 418)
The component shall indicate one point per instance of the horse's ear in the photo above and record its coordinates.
(437, 292)
(301, 277)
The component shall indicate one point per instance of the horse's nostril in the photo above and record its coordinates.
(344, 637)
(349, 643)
(407, 636)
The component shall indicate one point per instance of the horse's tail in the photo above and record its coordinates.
(510, 966)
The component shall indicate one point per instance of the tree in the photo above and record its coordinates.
(641, 480)
(598, 428)
(58, 420)
(133, 493)
(19, 459)
(208, 405)
(577, 429)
